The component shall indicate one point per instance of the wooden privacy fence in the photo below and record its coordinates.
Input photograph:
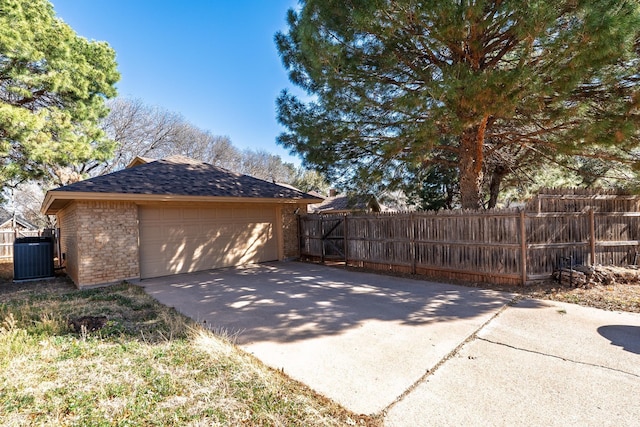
(580, 199)
(7, 237)
(508, 247)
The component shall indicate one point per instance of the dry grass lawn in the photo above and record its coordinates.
(148, 365)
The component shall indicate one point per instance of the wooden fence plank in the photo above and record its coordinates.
(7, 237)
(504, 246)
(592, 237)
(523, 248)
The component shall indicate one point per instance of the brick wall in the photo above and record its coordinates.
(102, 242)
(68, 223)
(290, 230)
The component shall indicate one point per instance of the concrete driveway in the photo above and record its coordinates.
(422, 353)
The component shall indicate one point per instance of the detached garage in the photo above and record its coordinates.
(171, 216)
(177, 239)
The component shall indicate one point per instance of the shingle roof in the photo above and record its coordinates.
(182, 176)
(345, 203)
(6, 216)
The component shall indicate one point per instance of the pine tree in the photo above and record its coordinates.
(53, 85)
(398, 84)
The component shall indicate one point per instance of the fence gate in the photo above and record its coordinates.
(323, 236)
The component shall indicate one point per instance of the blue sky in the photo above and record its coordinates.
(213, 61)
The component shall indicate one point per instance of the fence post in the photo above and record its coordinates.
(322, 238)
(300, 235)
(592, 236)
(412, 247)
(523, 247)
(345, 231)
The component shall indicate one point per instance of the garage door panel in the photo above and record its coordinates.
(167, 214)
(240, 213)
(154, 269)
(192, 214)
(180, 240)
(149, 214)
(224, 213)
(192, 230)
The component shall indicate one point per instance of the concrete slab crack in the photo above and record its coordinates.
(451, 354)
(595, 365)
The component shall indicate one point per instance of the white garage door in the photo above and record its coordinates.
(185, 239)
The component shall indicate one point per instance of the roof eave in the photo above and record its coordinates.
(55, 201)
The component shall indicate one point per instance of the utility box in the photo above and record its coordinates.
(32, 258)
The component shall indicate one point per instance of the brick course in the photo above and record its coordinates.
(290, 230)
(100, 240)
(68, 221)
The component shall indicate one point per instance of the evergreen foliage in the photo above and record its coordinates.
(398, 85)
(53, 84)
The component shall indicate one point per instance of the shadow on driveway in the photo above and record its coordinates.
(358, 338)
(291, 301)
(625, 336)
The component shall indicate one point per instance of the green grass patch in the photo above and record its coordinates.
(148, 365)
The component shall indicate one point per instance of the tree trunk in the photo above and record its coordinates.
(471, 159)
(498, 174)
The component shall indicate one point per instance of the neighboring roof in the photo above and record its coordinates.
(6, 218)
(316, 194)
(176, 178)
(310, 193)
(347, 203)
(138, 160)
(289, 186)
